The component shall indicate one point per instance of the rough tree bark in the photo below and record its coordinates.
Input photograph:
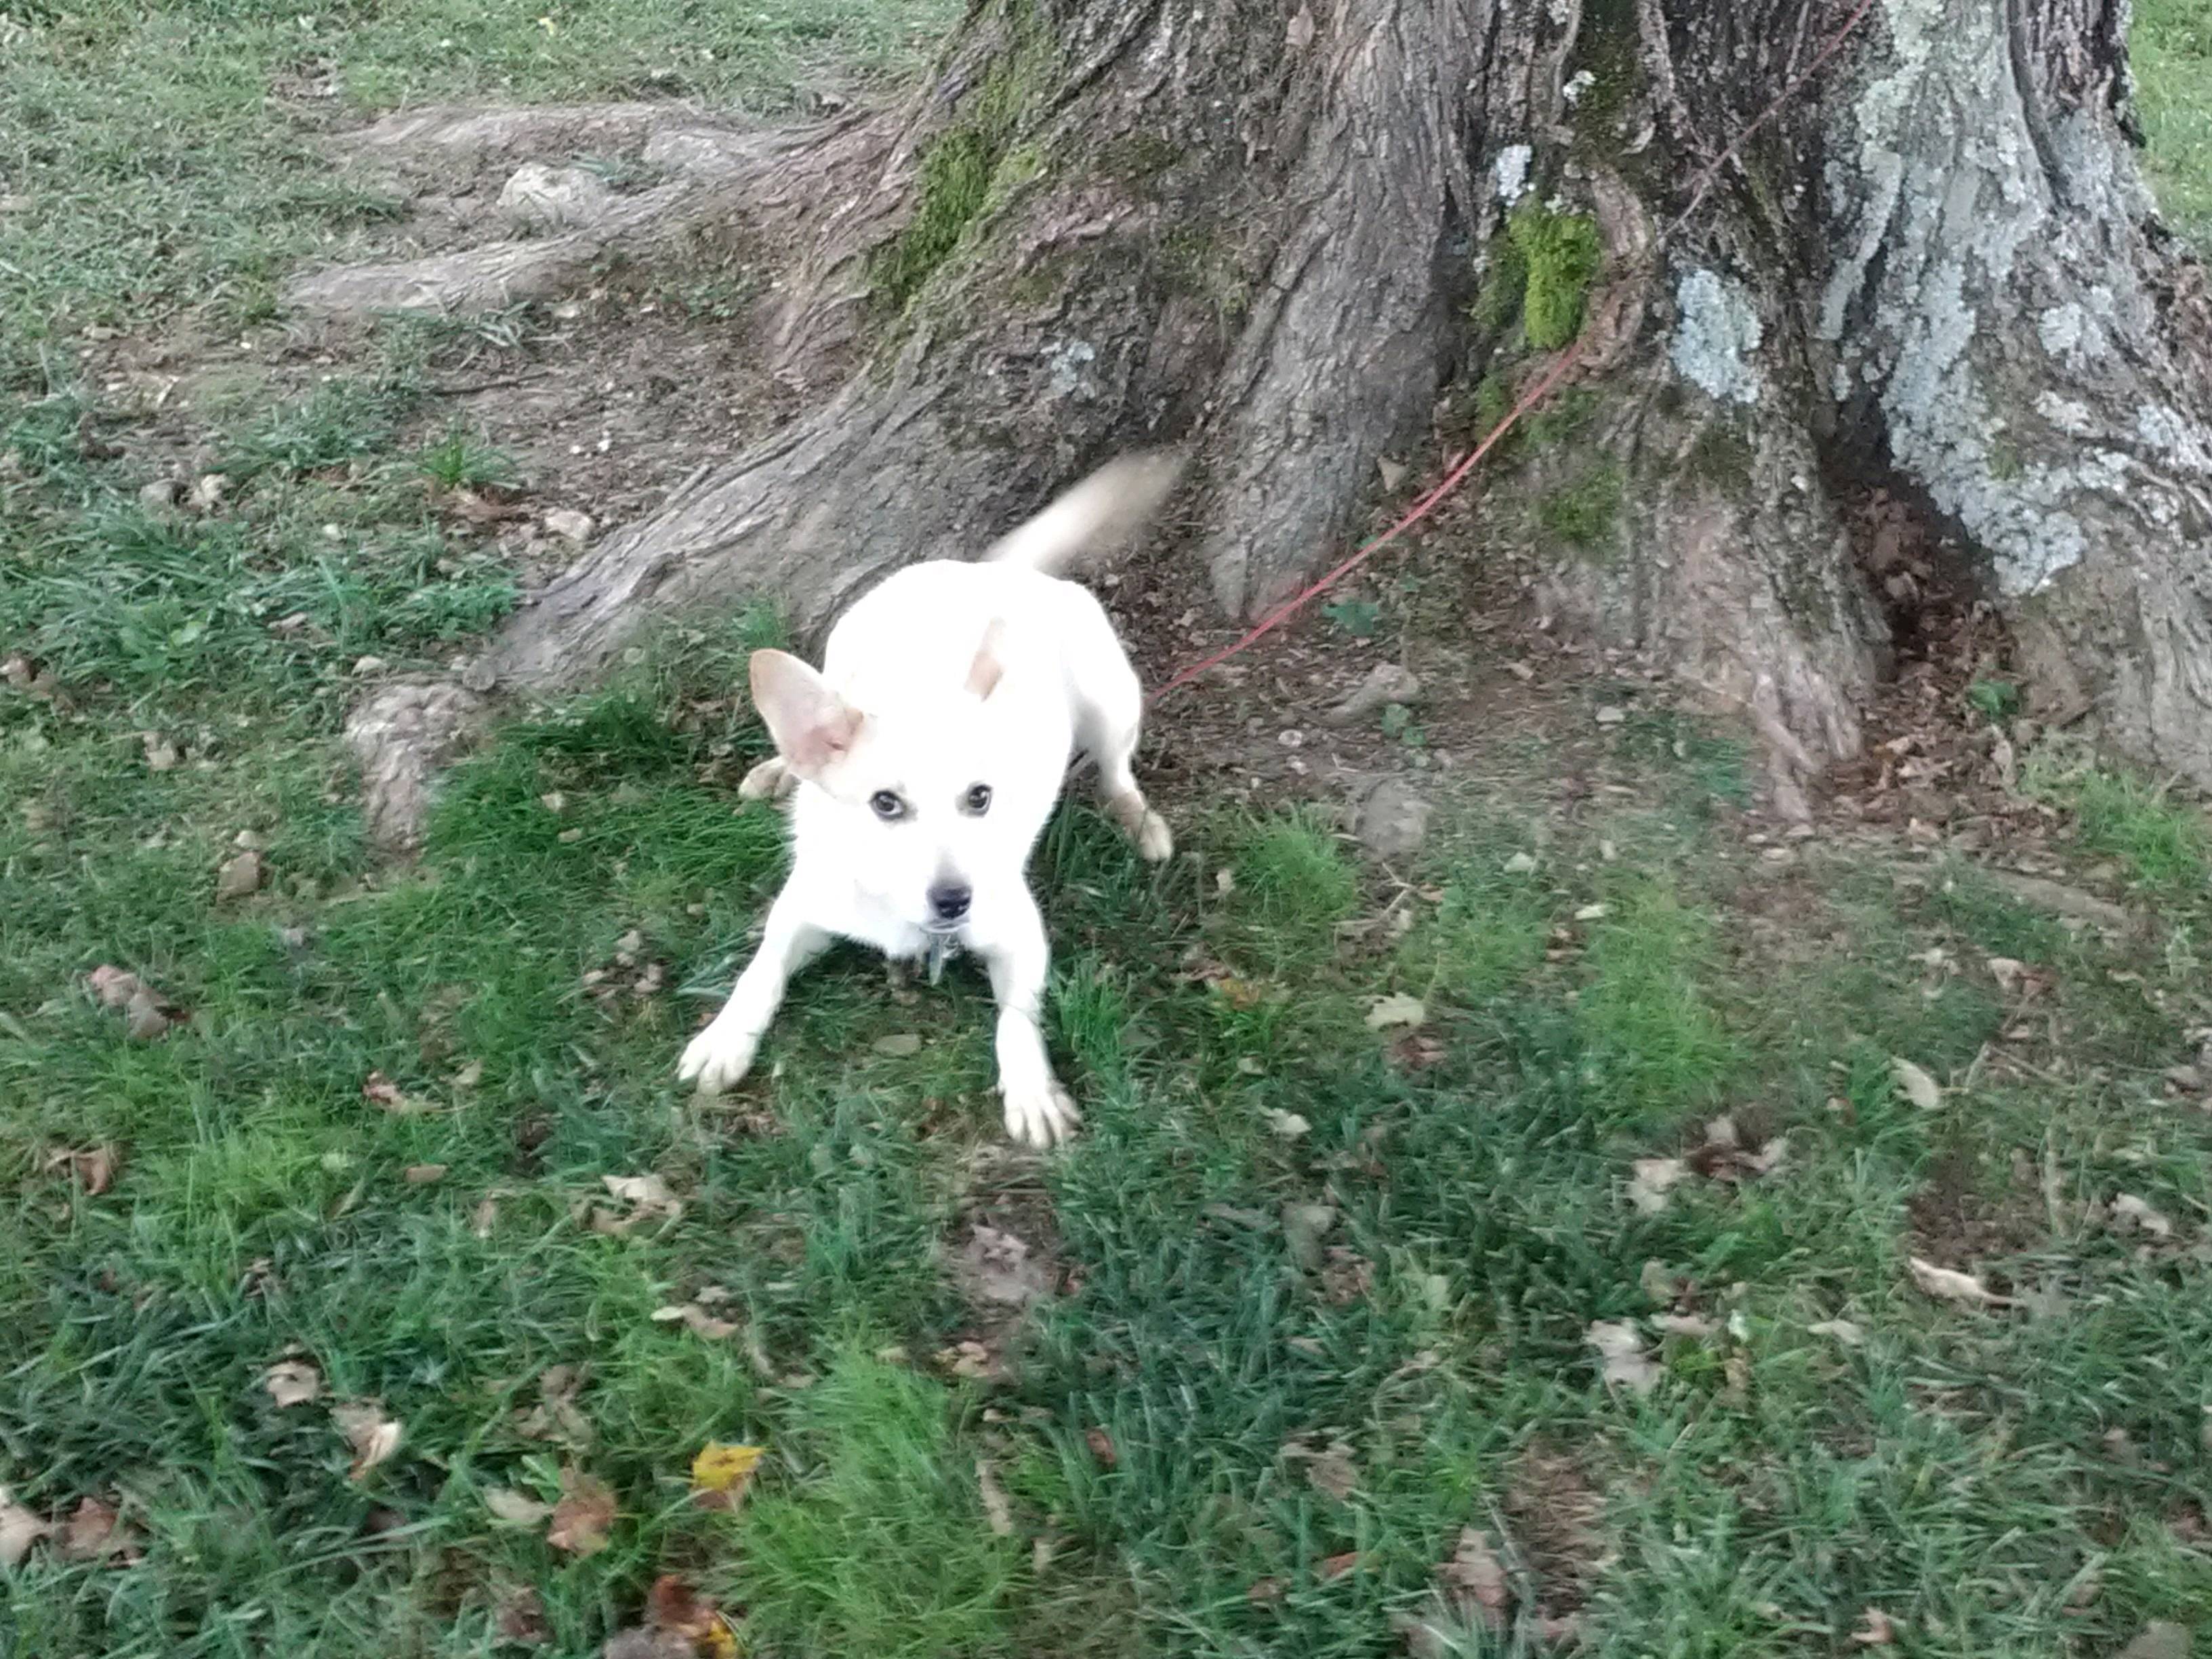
(1280, 232)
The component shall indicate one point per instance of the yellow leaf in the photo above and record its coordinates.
(721, 1473)
(719, 1641)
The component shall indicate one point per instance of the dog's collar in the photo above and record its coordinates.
(940, 949)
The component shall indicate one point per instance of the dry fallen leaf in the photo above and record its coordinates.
(1920, 1088)
(1335, 1566)
(1262, 1591)
(423, 1175)
(1300, 35)
(1101, 1447)
(291, 1383)
(582, 1518)
(1398, 1010)
(1693, 1325)
(1621, 1348)
(1332, 1471)
(898, 1045)
(1874, 1629)
(701, 1323)
(380, 1090)
(1654, 1179)
(721, 1473)
(373, 1436)
(148, 1013)
(1949, 1285)
(521, 1619)
(673, 1606)
(1285, 1126)
(969, 1358)
(161, 753)
(1473, 1581)
(1841, 1329)
(92, 1167)
(516, 1508)
(648, 1196)
(89, 1533)
(997, 1511)
(556, 1416)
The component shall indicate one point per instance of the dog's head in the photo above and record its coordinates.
(924, 802)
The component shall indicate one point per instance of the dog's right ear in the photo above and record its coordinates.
(813, 726)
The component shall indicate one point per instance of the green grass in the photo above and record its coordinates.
(2173, 60)
(1322, 1290)
(1771, 1486)
(2164, 844)
(159, 162)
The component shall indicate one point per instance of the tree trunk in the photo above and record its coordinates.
(1296, 239)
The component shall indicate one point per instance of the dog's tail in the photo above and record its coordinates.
(1109, 506)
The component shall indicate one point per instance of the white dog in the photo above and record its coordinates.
(925, 757)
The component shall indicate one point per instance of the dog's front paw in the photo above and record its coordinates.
(1155, 840)
(1041, 1114)
(718, 1058)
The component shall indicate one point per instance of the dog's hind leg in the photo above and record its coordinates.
(1112, 737)
(720, 1055)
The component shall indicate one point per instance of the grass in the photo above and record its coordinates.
(148, 184)
(1322, 1292)
(2173, 61)
(2165, 845)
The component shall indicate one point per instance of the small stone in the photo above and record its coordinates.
(540, 197)
(364, 666)
(1304, 1227)
(240, 876)
(1611, 715)
(1393, 821)
(1386, 683)
(207, 492)
(569, 525)
(2158, 1640)
(160, 495)
(1521, 863)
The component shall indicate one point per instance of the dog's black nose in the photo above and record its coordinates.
(949, 903)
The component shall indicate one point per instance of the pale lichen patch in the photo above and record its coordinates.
(1716, 331)
(1510, 171)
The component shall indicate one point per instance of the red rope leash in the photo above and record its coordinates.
(1700, 186)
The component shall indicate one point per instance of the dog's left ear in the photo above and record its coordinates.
(983, 673)
(813, 726)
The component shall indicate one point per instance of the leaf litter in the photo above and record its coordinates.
(721, 1473)
(1625, 1362)
(147, 1014)
(372, 1435)
(585, 1515)
(293, 1382)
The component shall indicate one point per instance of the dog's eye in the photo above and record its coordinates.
(889, 807)
(978, 800)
